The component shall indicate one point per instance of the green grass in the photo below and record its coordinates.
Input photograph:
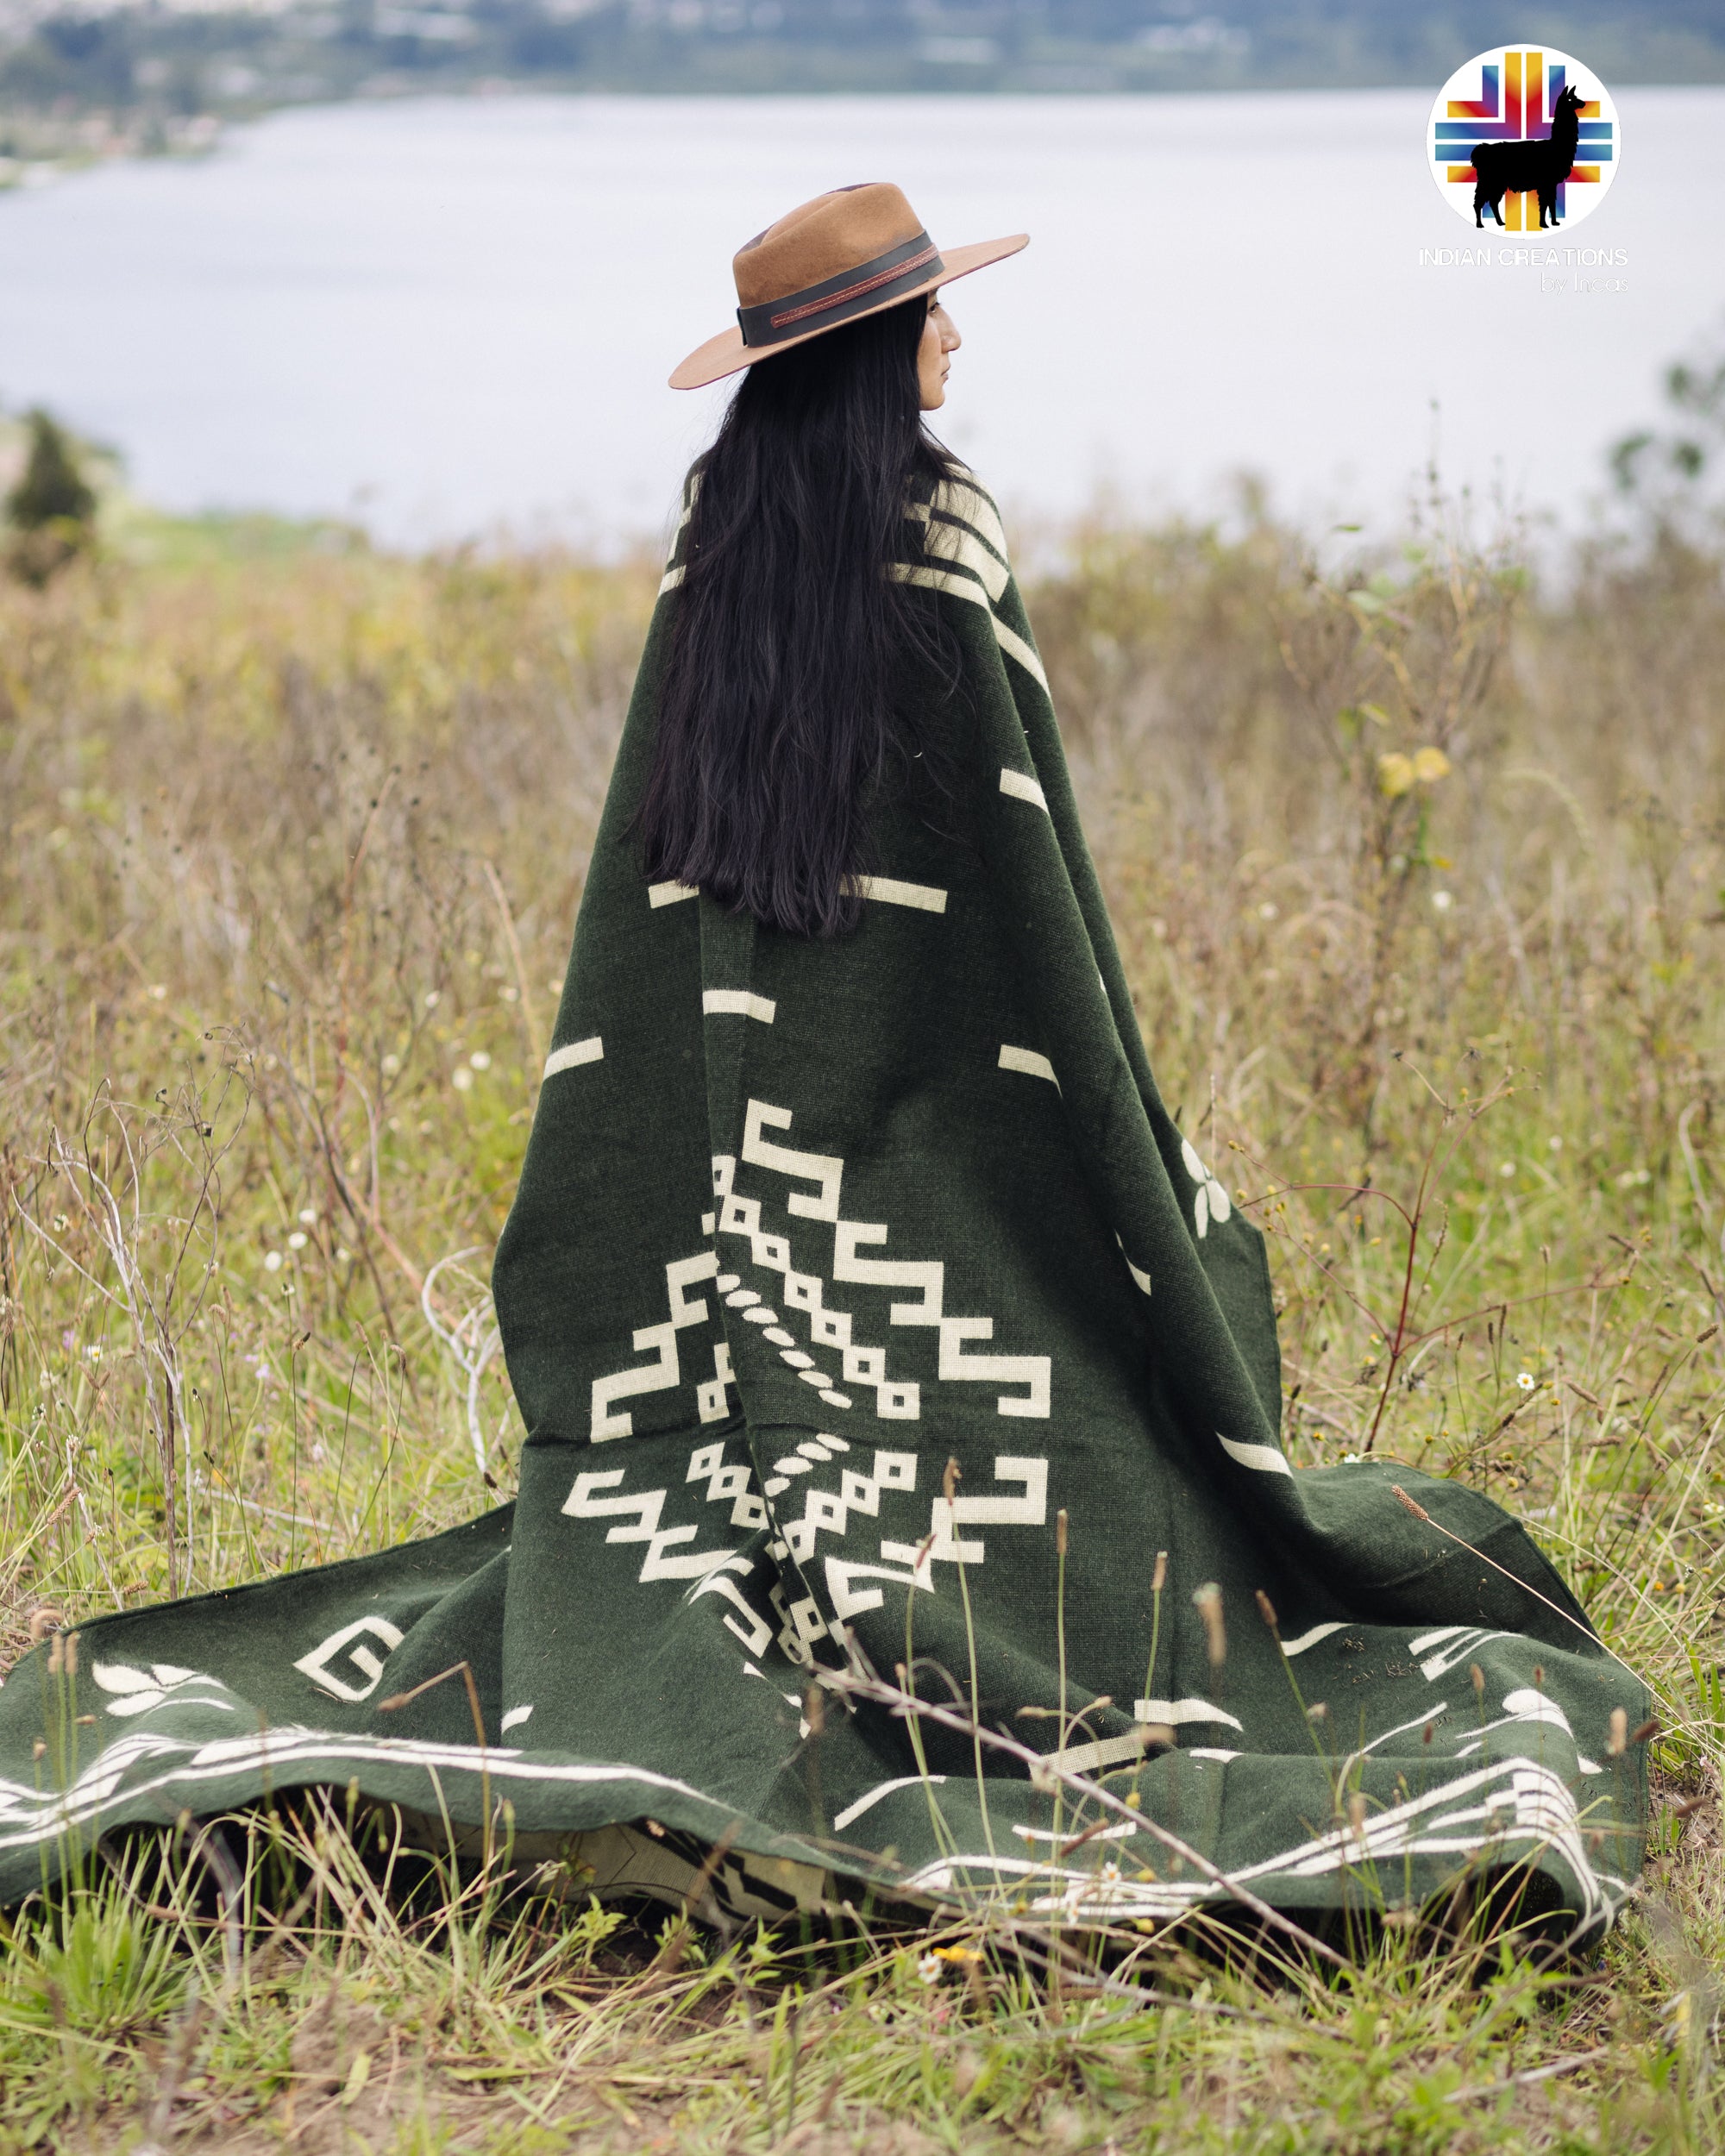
(293, 839)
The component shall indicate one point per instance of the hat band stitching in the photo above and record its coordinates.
(837, 299)
(857, 291)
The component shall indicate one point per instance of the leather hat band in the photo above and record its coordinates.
(890, 276)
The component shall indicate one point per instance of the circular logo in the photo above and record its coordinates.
(1523, 139)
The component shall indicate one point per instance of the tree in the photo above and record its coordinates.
(51, 509)
(1639, 462)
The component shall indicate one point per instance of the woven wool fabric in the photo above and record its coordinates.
(799, 1223)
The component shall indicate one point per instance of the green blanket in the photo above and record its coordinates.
(799, 1223)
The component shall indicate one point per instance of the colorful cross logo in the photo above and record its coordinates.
(1515, 95)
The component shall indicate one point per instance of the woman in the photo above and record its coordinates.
(866, 1309)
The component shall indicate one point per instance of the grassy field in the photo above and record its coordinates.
(1420, 877)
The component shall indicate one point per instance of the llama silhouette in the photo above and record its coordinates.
(1527, 168)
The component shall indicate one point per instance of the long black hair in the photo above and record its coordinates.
(784, 689)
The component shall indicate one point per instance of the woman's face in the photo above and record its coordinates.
(939, 340)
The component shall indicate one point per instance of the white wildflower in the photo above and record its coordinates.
(273, 1262)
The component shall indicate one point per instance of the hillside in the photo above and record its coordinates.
(144, 73)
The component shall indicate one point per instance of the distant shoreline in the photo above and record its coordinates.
(81, 82)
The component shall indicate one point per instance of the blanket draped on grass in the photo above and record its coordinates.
(799, 1223)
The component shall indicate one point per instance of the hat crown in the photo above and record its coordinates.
(822, 239)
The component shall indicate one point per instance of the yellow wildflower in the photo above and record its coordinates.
(1430, 765)
(1396, 775)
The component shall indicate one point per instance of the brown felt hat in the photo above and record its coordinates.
(843, 255)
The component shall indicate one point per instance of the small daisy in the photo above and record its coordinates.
(1525, 1380)
(929, 1968)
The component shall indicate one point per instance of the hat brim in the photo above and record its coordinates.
(726, 353)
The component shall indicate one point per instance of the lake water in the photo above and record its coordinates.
(453, 316)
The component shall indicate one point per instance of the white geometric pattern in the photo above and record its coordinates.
(135, 1691)
(923, 898)
(1454, 1644)
(1263, 1459)
(862, 1364)
(824, 1513)
(642, 1515)
(1513, 1805)
(1022, 788)
(707, 1464)
(1027, 1060)
(739, 1003)
(1212, 1200)
(1525, 1705)
(661, 1339)
(910, 1563)
(1008, 639)
(799, 1623)
(364, 1660)
(977, 543)
(572, 1057)
(1175, 1713)
(1311, 1639)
